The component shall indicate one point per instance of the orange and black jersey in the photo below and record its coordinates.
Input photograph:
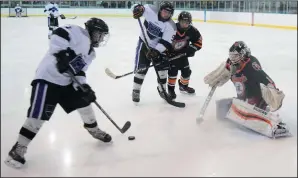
(182, 39)
(247, 78)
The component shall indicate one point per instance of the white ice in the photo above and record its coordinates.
(168, 141)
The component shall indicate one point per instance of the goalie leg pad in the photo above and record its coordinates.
(256, 119)
(222, 107)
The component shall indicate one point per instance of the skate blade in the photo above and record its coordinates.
(12, 163)
(287, 134)
(186, 93)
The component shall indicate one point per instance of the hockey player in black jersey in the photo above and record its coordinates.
(71, 49)
(257, 95)
(187, 40)
(159, 30)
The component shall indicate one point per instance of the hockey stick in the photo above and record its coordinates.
(200, 119)
(171, 102)
(74, 17)
(112, 75)
(126, 125)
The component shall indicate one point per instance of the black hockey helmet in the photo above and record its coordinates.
(184, 17)
(98, 31)
(238, 51)
(168, 7)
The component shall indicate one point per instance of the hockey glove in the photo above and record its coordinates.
(153, 55)
(163, 64)
(62, 16)
(169, 54)
(190, 50)
(88, 95)
(138, 11)
(67, 60)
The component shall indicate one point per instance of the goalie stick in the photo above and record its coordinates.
(114, 76)
(171, 102)
(200, 118)
(126, 125)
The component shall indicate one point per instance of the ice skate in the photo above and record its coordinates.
(15, 157)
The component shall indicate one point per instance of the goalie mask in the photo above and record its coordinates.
(98, 31)
(238, 51)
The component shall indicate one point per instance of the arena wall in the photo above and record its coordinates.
(283, 21)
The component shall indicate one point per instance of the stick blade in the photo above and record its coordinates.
(110, 73)
(126, 127)
(72, 17)
(177, 104)
(199, 119)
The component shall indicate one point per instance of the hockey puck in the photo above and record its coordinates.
(131, 138)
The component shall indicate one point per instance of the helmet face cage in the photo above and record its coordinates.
(99, 38)
(167, 6)
(98, 31)
(238, 52)
(184, 20)
(186, 16)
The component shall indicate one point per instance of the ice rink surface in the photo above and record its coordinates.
(168, 141)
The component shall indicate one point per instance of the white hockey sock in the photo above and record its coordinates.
(29, 130)
(163, 80)
(88, 117)
(138, 85)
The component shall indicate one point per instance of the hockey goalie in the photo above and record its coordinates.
(257, 96)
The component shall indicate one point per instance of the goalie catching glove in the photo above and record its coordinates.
(272, 96)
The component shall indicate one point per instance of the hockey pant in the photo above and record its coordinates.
(52, 24)
(181, 64)
(18, 14)
(44, 98)
(141, 61)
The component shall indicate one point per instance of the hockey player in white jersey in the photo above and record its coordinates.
(160, 29)
(52, 10)
(71, 49)
(257, 95)
(18, 10)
